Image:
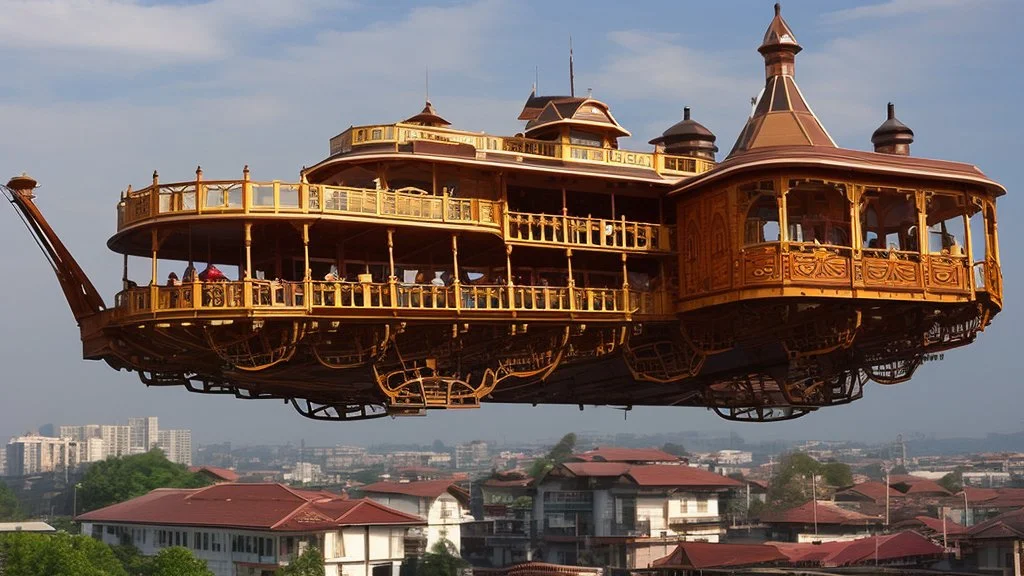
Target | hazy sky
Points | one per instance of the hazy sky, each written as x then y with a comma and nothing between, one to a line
96,94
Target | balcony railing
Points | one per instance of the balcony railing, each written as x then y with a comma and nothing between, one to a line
323,296
399,134
246,196
639,528
598,233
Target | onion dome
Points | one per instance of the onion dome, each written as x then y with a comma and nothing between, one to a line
688,138
428,117
781,116
893,136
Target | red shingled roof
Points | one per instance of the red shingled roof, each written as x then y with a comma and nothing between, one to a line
826,513
222,474
628,455
936,525
612,469
670,475
995,497
872,490
1008,525
249,506
422,489
917,486
884,548
703,555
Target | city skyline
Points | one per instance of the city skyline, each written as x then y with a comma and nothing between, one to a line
149,102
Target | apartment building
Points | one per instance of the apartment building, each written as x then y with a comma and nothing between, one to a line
440,503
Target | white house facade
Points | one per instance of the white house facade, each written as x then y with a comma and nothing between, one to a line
440,503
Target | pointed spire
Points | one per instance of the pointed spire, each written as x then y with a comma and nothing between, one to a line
781,116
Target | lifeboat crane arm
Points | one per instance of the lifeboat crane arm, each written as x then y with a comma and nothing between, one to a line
83,298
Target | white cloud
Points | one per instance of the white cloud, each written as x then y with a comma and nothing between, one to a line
894,8
168,32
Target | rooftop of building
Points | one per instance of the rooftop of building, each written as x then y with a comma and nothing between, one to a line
627,455
274,507
648,475
872,490
218,474
422,489
822,513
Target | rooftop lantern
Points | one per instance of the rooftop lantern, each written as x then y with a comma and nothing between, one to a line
893,136
687,138
428,117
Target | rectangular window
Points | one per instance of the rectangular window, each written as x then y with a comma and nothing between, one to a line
702,504
248,545
196,541
177,538
206,540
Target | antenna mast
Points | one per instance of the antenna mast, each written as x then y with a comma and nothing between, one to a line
572,78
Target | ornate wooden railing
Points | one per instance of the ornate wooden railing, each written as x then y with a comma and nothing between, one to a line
621,234
842,271
399,134
321,296
246,196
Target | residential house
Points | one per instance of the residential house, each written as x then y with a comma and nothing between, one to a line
819,521
625,515
440,503
504,532
253,529
628,456
870,498
996,546
975,505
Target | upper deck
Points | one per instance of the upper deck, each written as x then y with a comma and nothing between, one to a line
527,153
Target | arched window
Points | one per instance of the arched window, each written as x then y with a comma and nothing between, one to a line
762,220
719,236
888,221
818,213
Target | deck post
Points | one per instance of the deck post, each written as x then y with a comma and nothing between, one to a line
455,271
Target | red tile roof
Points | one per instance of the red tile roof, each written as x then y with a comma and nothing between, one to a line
872,490
995,497
249,506
670,475
917,486
628,455
1007,525
884,548
222,474
652,474
937,525
826,513
422,489
596,469
703,555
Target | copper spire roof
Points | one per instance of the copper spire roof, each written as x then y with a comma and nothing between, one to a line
584,112
782,116
428,117
892,132
688,136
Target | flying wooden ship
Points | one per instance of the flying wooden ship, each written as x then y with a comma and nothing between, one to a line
423,267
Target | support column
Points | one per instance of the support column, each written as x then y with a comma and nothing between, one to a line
307,279
969,248
571,282
247,279
124,272
625,285
392,278
508,272
455,270
154,292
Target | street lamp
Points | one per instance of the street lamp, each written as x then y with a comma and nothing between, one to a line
74,501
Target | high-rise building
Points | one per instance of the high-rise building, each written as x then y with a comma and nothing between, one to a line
176,445
116,440
145,433
80,433
34,454
470,455
3,462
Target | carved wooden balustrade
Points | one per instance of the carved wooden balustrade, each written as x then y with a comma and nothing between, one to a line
595,233
397,135
282,198
269,298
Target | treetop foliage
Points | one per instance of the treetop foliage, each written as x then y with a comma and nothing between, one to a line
309,563
559,453
10,510
118,479
791,484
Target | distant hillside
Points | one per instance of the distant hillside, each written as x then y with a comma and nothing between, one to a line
944,446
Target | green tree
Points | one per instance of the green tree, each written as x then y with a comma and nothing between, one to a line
874,471
559,453
790,486
837,474
440,561
177,561
954,481
118,479
309,563
675,449
132,560
9,507
58,554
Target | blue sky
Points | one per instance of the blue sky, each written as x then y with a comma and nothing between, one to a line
97,94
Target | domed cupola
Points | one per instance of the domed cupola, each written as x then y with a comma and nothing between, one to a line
687,138
893,136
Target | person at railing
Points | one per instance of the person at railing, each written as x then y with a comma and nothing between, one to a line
190,273
333,280
172,280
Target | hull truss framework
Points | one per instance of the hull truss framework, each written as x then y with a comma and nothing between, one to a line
750,361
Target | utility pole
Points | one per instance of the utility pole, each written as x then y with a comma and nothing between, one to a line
886,498
814,500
